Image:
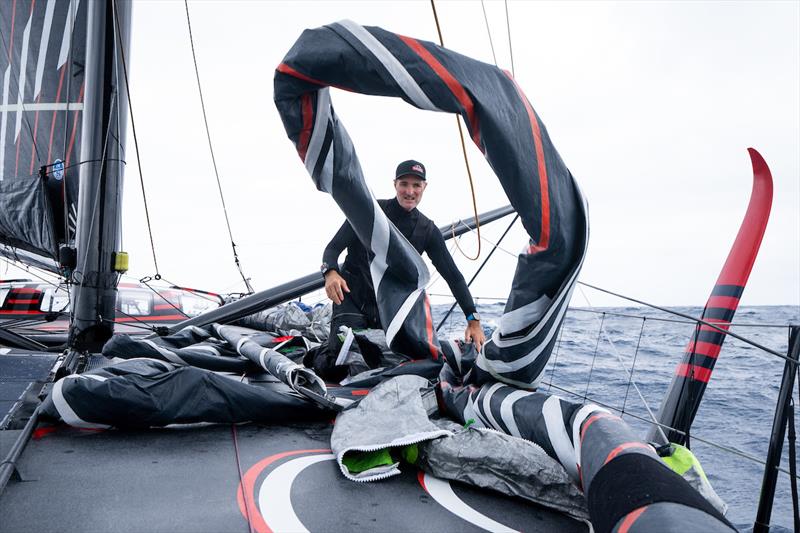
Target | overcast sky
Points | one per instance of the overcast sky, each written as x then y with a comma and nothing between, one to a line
652,105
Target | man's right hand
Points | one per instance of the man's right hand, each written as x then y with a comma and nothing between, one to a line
335,286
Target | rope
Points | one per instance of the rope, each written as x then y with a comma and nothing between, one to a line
135,141
489,33
466,159
211,149
510,48
622,365
555,360
488,256
144,281
693,319
633,365
594,357
662,427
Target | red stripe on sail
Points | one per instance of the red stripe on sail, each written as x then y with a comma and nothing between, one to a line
53,121
283,68
630,518
452,83
429,330
305,133
22,89
544,237
626,446
35,129
591,420
74,127
695,372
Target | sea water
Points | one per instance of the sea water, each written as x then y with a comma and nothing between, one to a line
597,345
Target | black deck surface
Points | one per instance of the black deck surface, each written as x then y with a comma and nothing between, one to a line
20,372
187,479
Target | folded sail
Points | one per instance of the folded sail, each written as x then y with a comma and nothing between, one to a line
501,123
41,102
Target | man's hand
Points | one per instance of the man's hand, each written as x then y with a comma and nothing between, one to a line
475,334
335,286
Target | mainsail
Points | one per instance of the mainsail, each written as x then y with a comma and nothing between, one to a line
501,123
41,102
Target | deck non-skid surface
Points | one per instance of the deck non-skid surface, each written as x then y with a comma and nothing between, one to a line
187,479
19,371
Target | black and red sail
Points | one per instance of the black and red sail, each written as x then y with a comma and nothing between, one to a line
502,124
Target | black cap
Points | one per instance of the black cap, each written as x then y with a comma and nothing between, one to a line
410,168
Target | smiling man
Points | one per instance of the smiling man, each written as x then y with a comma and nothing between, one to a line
351,289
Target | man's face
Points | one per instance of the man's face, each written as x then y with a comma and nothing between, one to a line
409,191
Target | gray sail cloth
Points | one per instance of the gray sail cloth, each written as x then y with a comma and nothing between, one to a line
290,319
396,413
141,393
43,68
621,475
487,458
505,128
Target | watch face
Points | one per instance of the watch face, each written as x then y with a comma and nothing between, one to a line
476,316
324,268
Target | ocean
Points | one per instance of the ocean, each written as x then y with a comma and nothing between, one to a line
738,406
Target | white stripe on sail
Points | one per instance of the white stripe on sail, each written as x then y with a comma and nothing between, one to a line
45,106
402,313
23,74
72,13
557,433
3,122
523,316
44,43
582,414
487,406
323,112
393,66
507,410
65,409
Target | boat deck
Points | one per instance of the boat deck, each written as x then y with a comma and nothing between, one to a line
189,478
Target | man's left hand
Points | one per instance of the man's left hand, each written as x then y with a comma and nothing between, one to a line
474,333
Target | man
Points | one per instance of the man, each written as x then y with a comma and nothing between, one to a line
351,289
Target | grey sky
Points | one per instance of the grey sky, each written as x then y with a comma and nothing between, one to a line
652,106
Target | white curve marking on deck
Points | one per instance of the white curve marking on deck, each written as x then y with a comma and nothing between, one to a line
442,492
274,496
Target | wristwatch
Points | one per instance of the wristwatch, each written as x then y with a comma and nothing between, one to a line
324,267
474,316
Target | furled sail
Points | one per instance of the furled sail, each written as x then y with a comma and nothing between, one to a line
501,123
41,101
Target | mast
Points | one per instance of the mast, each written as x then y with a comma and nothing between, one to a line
102,157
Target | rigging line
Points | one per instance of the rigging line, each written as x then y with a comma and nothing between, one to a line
72,14
144,281
480,237
475,275
135,139
555,361
24,118
633,365
466,159
489,33
693,319
622,365
27,268
662,427
594,357
510,48
211,149
673,320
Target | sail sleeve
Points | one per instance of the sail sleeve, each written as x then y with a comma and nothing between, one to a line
505,128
